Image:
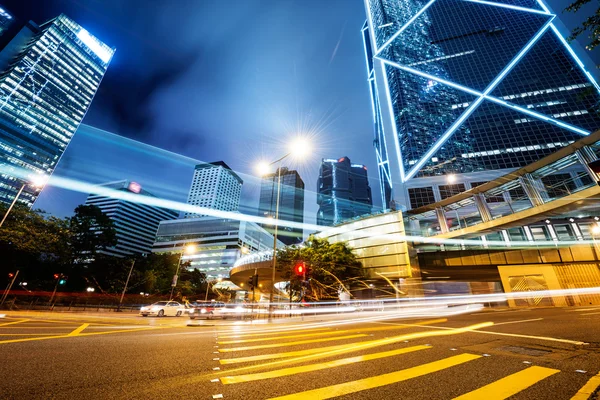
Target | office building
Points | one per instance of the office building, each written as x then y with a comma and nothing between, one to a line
7,20
136,224
49,75
215,186
291,202
218,242
466,91
343,191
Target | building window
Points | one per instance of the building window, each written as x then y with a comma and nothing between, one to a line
420,197
451,190
489,198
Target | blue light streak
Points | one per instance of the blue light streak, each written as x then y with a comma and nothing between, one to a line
491,3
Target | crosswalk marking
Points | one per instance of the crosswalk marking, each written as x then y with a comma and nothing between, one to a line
380,380
288,354
273,345
510,385
316,367
345,331
586,391
242,335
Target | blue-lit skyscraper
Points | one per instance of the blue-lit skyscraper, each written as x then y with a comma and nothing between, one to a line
471,88
49,75
343,191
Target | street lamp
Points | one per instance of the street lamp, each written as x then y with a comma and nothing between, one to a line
299,148
188,249
37,181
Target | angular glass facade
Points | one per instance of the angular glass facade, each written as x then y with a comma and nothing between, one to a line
343,191
45,91
470,86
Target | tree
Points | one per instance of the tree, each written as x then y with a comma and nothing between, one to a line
591,24
91,231
333,266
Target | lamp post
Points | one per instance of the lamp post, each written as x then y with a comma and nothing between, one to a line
37,181
299,148
188,249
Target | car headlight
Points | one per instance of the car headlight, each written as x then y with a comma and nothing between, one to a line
203,311
155,308
143,308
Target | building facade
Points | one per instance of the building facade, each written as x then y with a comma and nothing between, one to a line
49,76
218,242
343,191
215,186
291,202
135,224
466,91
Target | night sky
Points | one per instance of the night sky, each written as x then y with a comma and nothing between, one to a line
221,80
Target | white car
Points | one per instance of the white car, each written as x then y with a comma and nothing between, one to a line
162,309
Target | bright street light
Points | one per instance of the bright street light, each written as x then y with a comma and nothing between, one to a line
37,181
451,178
189,249
299,149
595,229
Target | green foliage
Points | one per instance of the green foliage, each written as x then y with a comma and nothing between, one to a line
91,230
331,265
591,24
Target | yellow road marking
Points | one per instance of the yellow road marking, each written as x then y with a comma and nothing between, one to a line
345,331
586,391
551,339
353,347
273,345
27,334
14,322
380,380
77,331
284,355
67,336
316,367
510,385
229,335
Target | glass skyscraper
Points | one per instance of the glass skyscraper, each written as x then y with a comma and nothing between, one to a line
470,88
291,203
49,75
343,191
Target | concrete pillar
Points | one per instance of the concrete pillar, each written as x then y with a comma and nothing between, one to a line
534,195
441,216
586,155
482,207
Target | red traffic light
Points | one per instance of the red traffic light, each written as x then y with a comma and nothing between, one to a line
300,269
56,276
11,275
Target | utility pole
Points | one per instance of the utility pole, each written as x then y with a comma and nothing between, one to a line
125,288
9,287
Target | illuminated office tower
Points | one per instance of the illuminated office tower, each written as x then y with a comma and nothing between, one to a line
48,77
215,186
291,203
343,191
469,89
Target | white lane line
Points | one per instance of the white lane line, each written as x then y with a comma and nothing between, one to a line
594,313
517,322
551,339
499,312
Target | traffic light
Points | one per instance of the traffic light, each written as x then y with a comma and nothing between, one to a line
300,270
11,275
63,280
56,276
253,281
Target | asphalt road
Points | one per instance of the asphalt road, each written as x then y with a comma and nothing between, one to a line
527,354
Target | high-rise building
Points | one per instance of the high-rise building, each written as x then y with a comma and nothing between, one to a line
219,242
6,21
136,224
291,202
215,186
469,89
48,77
343,191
